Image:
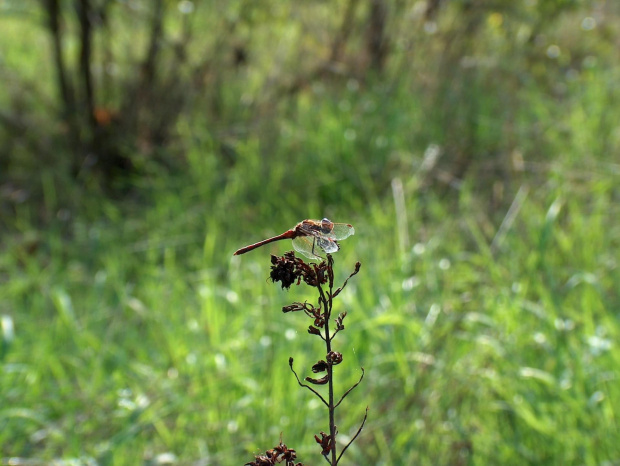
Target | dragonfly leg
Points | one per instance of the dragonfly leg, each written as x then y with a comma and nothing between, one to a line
316,244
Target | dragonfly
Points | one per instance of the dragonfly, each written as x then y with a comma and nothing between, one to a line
310,237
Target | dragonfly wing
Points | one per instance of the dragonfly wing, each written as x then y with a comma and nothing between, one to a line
341,231
327,245
315,237
307,245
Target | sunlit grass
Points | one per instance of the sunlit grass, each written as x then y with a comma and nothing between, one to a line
143,336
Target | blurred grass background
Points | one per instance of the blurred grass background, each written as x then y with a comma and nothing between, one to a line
474,146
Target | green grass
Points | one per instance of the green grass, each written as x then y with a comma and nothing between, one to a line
139,334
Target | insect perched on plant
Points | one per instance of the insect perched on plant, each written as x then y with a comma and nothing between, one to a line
310,237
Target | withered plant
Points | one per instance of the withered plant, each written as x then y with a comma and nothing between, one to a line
288,270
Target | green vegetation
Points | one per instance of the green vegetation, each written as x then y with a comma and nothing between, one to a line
479,165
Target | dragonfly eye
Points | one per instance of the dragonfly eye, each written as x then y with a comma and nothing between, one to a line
326,225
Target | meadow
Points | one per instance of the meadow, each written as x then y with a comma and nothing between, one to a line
485,314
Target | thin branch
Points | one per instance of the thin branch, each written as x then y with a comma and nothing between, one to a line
357,269
376,42
155,41
354,437
350,389
346,26
84,13
65,87
290,363
55,28
327,312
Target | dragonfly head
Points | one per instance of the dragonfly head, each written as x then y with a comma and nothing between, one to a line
327,225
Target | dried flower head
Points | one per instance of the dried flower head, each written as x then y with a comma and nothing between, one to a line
288,269
280,454
334,358
326,443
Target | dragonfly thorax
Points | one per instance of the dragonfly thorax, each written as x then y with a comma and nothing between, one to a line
326,225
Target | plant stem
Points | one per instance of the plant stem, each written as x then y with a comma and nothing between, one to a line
327,306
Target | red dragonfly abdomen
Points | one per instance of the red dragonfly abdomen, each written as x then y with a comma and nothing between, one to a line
286,235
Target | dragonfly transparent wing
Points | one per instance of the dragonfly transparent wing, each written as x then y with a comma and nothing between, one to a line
306,246
312,246
341,231
327,245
